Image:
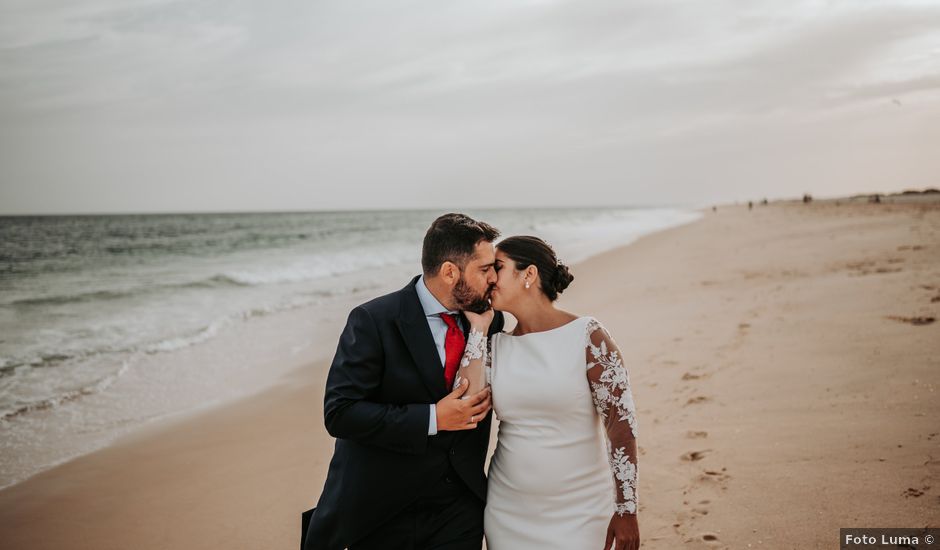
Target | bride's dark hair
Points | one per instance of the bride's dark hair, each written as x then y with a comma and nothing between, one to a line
526,250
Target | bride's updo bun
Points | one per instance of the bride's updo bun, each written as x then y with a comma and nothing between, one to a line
526,250
563,278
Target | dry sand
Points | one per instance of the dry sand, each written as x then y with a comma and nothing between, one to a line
785,388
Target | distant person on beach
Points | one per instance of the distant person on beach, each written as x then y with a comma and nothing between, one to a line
407,469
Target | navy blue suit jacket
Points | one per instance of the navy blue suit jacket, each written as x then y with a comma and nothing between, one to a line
385,373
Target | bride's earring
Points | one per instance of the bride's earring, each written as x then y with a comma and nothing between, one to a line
527,284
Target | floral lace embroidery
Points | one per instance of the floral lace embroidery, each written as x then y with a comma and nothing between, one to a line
613,399
625,473
613,387
475,349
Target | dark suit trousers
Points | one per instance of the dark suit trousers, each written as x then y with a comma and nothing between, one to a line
447,516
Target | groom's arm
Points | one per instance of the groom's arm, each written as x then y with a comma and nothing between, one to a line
355,375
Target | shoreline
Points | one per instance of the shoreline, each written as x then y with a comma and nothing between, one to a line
295,326
316,359
711,300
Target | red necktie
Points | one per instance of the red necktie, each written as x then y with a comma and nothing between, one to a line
454,342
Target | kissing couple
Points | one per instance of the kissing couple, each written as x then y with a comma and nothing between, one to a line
408,397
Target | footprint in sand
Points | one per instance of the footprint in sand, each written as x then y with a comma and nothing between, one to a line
867,267
692,456
690,376
861,265
697,399
715,476
912,492
696,434
710,538
708,479
916,321
701,508
709,482
703,487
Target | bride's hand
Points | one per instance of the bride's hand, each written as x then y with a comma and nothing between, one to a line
480,321
625,531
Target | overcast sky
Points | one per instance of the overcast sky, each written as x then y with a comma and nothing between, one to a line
221,105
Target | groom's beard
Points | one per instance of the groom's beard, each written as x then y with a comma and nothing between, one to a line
468,300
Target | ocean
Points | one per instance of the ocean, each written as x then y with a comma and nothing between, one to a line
109,322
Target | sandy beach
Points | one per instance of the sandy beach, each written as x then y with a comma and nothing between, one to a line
785,363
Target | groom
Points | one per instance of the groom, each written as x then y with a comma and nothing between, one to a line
407,469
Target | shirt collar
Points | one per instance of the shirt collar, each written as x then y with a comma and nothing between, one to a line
430,304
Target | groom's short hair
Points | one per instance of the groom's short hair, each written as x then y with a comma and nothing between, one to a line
453,237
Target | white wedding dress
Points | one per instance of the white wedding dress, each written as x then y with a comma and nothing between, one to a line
567,430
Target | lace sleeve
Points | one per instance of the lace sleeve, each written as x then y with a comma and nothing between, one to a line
474,363
613,399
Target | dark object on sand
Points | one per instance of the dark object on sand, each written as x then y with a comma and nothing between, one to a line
807,198
913,320
304,523
876,198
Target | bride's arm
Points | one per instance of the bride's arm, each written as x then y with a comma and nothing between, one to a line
473,363
613,399
476,354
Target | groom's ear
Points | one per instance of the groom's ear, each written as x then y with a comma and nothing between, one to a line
449,273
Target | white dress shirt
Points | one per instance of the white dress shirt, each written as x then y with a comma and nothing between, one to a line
432,310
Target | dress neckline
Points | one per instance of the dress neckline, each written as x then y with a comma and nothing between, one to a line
545,331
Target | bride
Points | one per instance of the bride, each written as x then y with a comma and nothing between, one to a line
564,474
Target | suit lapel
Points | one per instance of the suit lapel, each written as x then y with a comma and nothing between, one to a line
464,325
417,335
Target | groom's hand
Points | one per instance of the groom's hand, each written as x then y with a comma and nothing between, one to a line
454,413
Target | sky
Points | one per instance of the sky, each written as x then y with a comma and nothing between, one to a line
238,105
